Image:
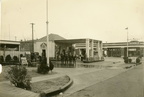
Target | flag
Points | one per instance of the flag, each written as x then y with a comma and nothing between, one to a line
126,28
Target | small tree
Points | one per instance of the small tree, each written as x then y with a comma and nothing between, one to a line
19,77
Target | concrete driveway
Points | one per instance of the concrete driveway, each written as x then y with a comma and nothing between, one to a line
127,84
85,77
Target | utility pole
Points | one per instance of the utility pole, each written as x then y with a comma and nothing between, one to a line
47,53
32,37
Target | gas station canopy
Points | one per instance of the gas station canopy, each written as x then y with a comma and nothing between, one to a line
72,41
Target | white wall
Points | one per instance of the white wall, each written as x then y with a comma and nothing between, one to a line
38,48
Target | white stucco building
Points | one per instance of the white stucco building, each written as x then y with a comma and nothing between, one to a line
40,45
90,48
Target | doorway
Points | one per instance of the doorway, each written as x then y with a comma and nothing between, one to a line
43,52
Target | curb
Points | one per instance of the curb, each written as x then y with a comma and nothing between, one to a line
92,61
32,94
66,86
61,89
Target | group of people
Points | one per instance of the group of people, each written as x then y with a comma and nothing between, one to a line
68,58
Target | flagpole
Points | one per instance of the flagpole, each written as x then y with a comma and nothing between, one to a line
127,41
47,53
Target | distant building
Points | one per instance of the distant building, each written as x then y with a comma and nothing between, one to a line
88,48
57,44
8,47
119,49
26,46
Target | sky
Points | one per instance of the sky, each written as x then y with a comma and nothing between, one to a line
104,20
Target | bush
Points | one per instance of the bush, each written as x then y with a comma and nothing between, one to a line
8,58
15,58
51,66
138,61
129,60
42,67
126,59
19,77
1,59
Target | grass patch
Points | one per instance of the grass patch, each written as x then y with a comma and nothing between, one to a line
49,85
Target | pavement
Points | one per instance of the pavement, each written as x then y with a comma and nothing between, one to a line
82,76
126,84
83,80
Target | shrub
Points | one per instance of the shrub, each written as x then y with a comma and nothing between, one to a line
129,60
42,67
1,59
125,59
19,77
15,58
51,66
8,58
138,61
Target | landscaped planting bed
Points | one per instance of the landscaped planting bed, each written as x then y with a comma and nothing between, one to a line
41,86
50,85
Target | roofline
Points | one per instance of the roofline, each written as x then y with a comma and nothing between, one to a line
79,39
9,42
122,42
83,38
121,46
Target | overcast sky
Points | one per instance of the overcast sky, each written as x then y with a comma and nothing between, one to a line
104,20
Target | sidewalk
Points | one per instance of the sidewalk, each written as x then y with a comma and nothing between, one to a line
85,77
127,84
81,81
